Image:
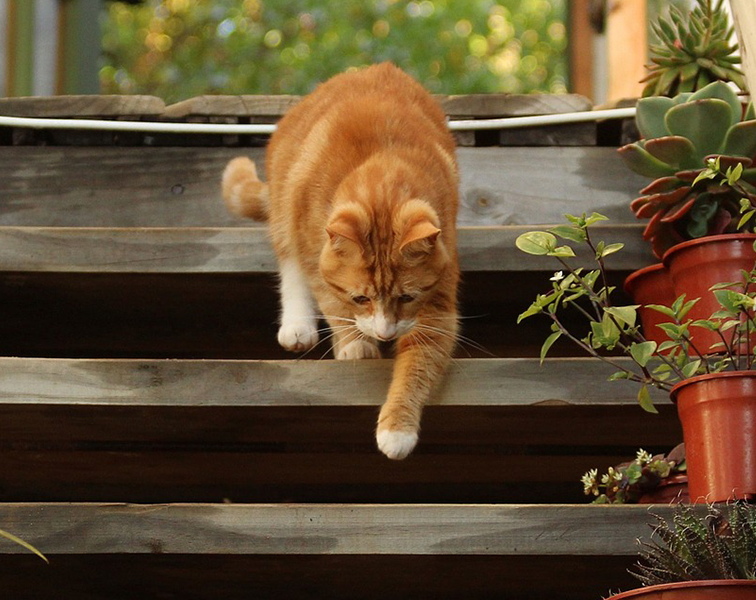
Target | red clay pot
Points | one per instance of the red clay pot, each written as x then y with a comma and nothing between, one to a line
672,489
718,415
651,285
696,265
721,589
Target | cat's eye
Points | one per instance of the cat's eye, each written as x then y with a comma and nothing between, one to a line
405,298
360,299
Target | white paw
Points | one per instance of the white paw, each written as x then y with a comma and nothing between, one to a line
396,444
357,349
298,337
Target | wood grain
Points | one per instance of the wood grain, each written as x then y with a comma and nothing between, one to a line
543,530
470,105
247,250
470,382
179,187
82,106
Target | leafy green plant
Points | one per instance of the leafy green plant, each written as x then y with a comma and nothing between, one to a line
682,138
20,542
693,50
719,543
627,482
615,329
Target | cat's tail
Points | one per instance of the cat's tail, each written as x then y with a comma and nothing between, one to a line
244,193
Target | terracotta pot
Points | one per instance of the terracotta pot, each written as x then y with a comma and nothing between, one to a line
651,285
672,489
721,589
718,415
696,265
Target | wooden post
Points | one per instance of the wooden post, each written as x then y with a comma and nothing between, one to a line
627,46
581,48
744,15
20,48
79,47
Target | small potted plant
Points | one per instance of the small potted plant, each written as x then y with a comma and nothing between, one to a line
645,480
707,555
715,393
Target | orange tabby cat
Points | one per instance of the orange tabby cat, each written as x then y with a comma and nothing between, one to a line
362,204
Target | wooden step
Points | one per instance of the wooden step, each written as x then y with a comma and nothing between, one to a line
139,430
272,543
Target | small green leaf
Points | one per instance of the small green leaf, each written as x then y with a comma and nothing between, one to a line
686,308
538,243
611,249
562,252
548,343
642,352
664,346
533,309
23,543
624,314
662,309
574,234
618,375
745,218
710,325
690,369
595,218
644,399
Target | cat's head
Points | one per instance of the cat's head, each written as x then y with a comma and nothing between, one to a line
383,266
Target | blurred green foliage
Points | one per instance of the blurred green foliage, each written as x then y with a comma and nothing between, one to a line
176,49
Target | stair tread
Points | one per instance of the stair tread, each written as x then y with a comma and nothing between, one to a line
405,529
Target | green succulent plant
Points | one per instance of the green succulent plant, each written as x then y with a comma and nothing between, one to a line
719,543
683,137
694,50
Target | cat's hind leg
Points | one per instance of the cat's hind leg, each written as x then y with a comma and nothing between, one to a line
299,323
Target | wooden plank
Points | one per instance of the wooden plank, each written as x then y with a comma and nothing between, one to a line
171,187
247,250
463,106
470,382
571,134
309,577
82,106
415,529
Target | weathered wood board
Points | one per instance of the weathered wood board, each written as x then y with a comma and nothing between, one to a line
180,187
247,250
82,106
470,105
411,529
312,577
470,382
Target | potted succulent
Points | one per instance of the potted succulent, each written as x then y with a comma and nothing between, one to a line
645,480
715,393
707,555
700,148
693,50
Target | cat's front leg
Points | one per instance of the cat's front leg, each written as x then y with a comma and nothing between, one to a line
422,356
299,323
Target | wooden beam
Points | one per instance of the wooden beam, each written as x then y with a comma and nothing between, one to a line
470,382
744,15
581,48
416,529
247,250
627,46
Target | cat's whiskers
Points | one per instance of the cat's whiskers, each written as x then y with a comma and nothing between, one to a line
455,336
333,330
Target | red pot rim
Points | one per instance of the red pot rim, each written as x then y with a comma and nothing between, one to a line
706,377
703,583
709,239
630,279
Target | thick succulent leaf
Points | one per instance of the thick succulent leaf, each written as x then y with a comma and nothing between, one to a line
726,160
638,203
749,175
653,225
741,140
703,210
721,91
703,122
650,116
673,150
671,198
679,212
750,113
640,161
681,98
663,184
646,210
689,175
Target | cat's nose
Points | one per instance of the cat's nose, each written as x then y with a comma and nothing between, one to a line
384,330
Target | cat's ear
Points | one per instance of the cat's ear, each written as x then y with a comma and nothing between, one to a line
344,230
420,237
